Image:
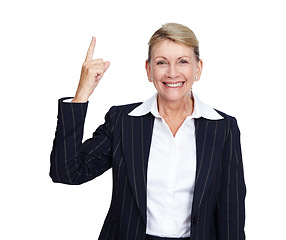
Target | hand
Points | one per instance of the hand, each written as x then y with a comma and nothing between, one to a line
92,71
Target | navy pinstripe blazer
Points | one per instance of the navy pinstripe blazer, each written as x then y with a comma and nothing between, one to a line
123,143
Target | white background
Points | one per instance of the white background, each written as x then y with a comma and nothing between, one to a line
43,45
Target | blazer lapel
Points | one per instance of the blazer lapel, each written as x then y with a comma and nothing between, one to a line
137,135
206,135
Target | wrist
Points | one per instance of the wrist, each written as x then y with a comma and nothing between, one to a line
79,98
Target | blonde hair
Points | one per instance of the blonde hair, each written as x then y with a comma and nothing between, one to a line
177,33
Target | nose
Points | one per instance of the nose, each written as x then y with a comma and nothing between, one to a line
172,71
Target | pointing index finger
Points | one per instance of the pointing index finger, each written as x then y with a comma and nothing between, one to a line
90,51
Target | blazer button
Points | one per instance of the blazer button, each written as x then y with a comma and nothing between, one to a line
195,221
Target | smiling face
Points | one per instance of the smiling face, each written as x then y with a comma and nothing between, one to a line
173,68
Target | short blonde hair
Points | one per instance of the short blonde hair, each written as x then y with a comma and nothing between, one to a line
177,33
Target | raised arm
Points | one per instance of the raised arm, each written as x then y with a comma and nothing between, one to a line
74,162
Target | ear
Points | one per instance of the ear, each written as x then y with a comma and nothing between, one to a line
199,69
148,69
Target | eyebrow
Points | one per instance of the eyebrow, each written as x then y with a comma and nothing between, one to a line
178,57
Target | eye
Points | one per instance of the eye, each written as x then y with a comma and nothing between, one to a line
161,62
184,61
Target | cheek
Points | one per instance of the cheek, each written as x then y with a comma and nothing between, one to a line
158,73
189,73
190,76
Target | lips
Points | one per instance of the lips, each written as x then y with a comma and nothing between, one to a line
173,85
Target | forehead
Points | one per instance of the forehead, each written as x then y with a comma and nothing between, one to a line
170,49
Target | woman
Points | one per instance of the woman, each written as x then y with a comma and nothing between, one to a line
177,167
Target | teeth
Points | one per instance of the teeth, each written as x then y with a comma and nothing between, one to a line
174,84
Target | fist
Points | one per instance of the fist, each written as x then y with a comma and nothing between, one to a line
92,71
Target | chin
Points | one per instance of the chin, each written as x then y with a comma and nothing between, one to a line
173,97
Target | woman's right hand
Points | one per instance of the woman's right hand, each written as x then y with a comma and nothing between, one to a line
92,71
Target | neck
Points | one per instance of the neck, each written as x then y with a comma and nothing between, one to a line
177,108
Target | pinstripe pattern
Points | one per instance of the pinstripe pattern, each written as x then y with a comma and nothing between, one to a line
123,144
218,207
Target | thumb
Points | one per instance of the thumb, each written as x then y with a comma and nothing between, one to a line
106,65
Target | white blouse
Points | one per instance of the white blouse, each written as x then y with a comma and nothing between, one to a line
171,171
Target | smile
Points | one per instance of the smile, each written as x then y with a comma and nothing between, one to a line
174,85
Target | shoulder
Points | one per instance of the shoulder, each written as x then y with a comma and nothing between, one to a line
225,116
229,123
123,109
117,117
116,114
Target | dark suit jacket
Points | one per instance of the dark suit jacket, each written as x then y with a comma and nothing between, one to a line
123,143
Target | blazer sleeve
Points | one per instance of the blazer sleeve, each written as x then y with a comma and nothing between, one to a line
74,162
231,205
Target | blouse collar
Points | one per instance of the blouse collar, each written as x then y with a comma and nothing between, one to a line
200,109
